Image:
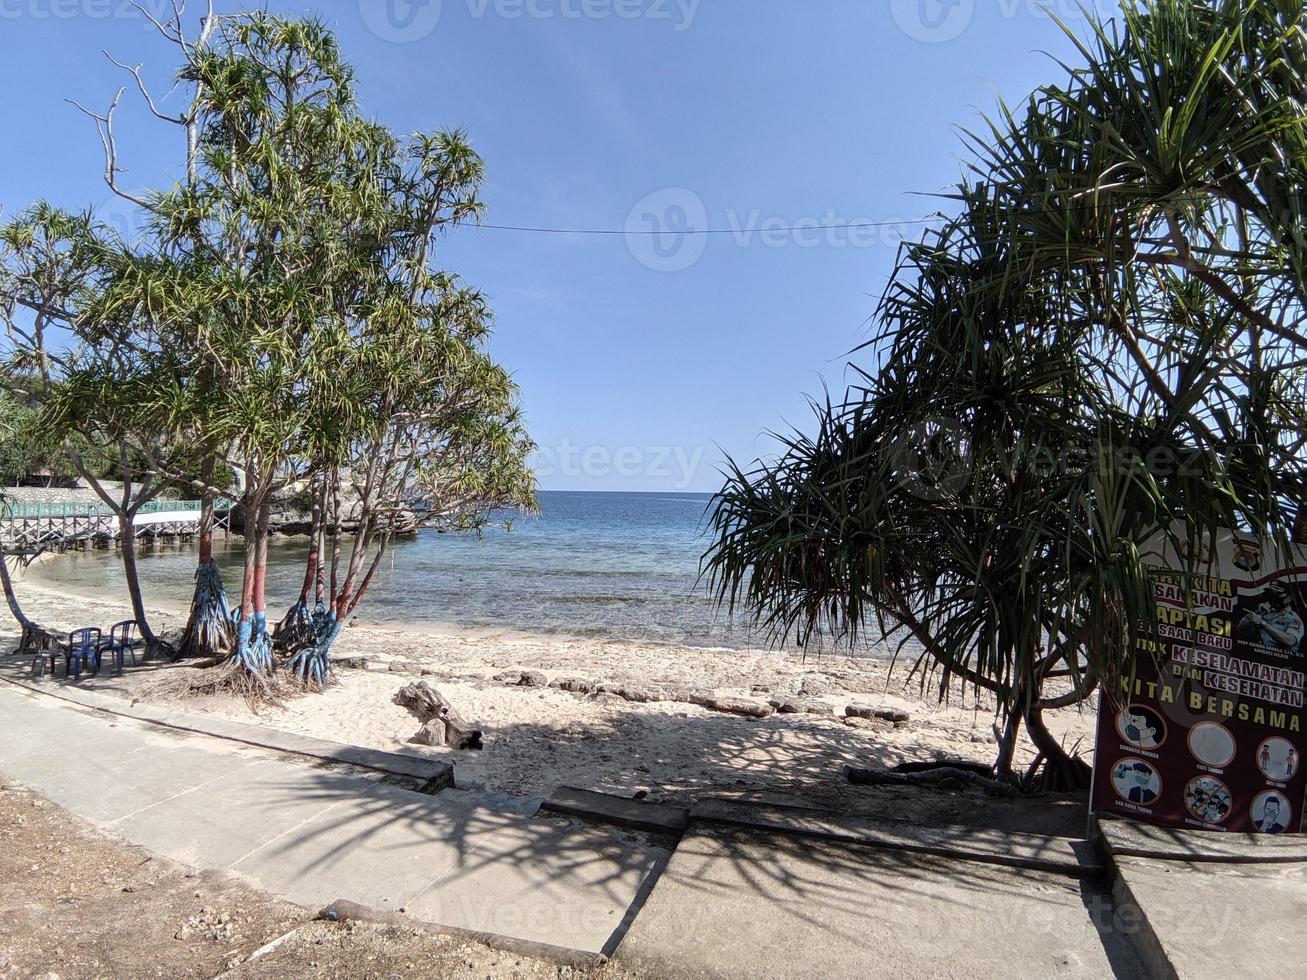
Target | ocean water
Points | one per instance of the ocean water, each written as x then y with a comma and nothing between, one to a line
620,565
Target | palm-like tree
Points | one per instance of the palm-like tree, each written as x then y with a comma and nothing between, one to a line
1105,339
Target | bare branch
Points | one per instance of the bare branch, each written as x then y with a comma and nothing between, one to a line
104,127
145,92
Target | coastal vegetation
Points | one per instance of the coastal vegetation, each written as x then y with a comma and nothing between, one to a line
1105,335
277,330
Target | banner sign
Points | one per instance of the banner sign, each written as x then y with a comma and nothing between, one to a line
1208,734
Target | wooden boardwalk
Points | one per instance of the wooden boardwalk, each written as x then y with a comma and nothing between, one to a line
31,527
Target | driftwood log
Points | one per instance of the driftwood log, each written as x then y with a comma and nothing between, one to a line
441,724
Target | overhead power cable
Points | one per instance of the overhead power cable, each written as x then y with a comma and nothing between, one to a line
706,231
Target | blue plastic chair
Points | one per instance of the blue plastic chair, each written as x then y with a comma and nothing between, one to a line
122,641
83,648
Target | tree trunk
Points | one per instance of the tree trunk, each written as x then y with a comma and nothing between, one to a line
253,645
1062,771
208,628
1300,528
1007,746
296,629
127,539
32,636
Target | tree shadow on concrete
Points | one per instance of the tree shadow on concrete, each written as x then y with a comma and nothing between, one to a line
783,759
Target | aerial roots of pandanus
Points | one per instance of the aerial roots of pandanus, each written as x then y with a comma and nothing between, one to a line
311,666
209,629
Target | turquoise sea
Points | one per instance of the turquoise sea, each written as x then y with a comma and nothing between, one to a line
620,565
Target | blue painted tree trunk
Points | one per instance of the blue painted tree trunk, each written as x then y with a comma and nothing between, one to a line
312,665
209,629
253,644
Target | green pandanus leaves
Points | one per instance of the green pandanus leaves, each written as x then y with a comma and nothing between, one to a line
1104,337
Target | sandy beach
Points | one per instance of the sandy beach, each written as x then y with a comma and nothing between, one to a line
539,737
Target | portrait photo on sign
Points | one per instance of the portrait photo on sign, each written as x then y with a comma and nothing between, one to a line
1212,744
1272,619
1272,813
1277,759
1208,799
1141,726
1136,781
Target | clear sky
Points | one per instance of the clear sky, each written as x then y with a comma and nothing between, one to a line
642,358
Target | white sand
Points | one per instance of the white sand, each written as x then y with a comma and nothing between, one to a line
538,739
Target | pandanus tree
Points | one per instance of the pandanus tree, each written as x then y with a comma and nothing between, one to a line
450,453
428,433
279,318
253,243
324,354
94,283
79,369
1103,340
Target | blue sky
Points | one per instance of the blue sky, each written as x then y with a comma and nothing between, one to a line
642,358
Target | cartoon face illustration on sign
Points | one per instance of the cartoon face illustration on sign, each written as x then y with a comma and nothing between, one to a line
1136,781
1208,799
1141,727
1271,813
1277,759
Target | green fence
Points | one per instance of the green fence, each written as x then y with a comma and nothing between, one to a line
67,511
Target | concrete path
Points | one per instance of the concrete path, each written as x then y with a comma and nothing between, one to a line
749,903
1212,905
313,834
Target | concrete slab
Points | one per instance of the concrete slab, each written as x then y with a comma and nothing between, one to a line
313,834
215,824
736,903
430,772
1124,838
541,879
656,818
369,850
1215,920
1054,854
96,769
